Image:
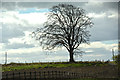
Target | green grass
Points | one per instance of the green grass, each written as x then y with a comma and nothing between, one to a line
23,66
0,69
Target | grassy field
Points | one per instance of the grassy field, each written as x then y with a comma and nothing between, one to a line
99,69
25,66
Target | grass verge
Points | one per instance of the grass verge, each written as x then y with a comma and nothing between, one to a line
25,66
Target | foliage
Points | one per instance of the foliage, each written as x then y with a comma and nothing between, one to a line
117,58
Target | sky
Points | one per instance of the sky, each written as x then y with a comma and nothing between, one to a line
19,19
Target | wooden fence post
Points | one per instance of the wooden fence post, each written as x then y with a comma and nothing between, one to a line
44,74
64,74
59,75
76,75
35,75
13,75
39,74
72,75
6,76
25,75
48,75
52,74
55,74
19,75
30,75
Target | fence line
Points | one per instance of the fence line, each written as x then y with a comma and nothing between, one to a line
49,74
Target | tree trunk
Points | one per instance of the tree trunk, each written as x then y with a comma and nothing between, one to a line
71,57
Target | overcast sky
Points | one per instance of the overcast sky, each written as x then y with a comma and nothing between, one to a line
19,19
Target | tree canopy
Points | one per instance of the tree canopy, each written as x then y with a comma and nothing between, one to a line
66,26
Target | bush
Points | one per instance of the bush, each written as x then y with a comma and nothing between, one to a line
117,59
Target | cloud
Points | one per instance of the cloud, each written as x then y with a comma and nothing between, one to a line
105,18
104,26
8,5
94,51
10,17
16,40
33,10
89,51
14,17
99,7
2,45
112,14
20,46
34,18
91,55
95,45
107,14
93,3
14,24
57,58
24,50
101,18
26,39
94,15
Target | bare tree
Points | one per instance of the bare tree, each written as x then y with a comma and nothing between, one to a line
66,26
